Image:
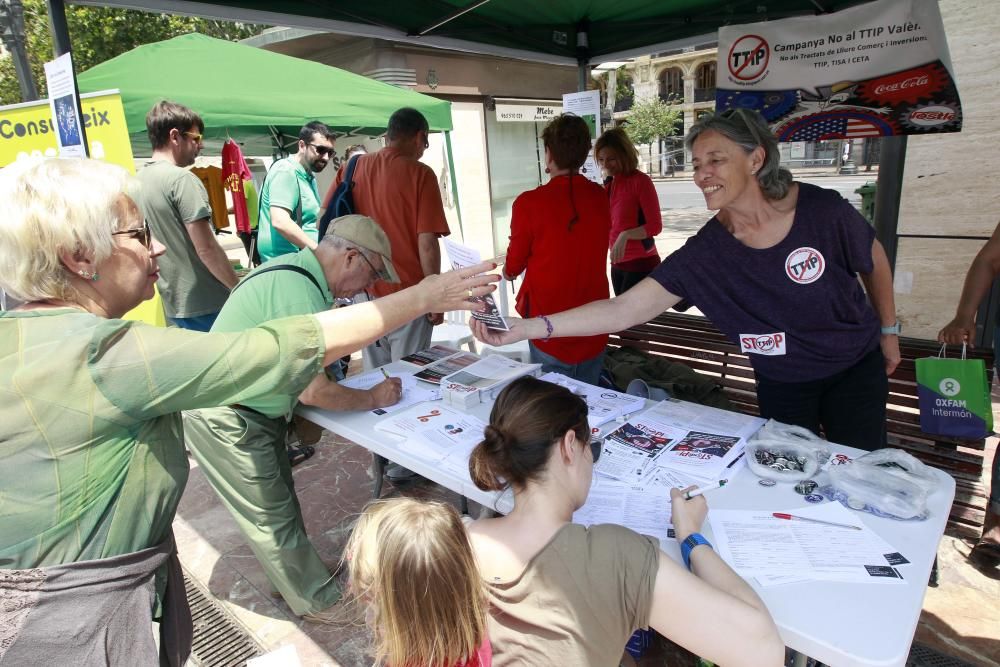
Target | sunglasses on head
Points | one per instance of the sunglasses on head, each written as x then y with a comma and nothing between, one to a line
141,233
322,151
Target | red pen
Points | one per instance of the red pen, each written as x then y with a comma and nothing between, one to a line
792,517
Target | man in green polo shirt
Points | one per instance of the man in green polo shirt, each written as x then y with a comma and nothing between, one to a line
289,201
241,448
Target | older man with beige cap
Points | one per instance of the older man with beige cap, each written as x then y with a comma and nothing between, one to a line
241,448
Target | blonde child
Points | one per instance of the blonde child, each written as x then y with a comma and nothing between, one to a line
412,567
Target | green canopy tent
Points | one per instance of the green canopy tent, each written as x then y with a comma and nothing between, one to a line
252,95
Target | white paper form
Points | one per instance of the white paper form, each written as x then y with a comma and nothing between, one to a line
463,433
461,256
665,479
413,392
644,510
489,372
603,405
694,417
757,544
450,439
417,418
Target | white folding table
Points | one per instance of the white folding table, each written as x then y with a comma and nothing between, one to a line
839,624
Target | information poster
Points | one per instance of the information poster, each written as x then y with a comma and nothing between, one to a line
878,69
27,130
64,107
587,105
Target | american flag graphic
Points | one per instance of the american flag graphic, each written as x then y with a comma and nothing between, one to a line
836,125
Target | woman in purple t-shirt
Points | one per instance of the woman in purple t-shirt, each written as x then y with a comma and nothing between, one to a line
777,271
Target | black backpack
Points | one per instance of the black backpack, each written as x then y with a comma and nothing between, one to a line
342,201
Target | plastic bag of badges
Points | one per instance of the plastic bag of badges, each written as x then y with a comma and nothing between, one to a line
786,453
887,482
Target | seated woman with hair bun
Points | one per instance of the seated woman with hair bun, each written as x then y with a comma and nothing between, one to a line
563,594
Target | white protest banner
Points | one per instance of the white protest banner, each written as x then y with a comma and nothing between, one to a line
878,69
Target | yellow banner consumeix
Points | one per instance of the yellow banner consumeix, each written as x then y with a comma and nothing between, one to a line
26,129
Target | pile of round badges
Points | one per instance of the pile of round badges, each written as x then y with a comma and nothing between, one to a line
780,462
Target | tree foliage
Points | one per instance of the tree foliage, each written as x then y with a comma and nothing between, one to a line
100,33
623,88
651,119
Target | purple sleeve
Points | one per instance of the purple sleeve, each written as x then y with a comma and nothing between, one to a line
856,236
672,271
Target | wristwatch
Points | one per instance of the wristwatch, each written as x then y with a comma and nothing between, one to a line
689,543
893,330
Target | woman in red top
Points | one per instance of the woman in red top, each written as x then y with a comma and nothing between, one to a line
559,240
635,210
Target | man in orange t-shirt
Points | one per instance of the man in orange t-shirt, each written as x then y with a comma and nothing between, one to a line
401,194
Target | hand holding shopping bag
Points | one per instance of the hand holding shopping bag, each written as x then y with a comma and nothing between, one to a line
954,396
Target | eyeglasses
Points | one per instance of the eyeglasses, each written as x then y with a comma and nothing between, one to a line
322,151
142,233
197,136
375,272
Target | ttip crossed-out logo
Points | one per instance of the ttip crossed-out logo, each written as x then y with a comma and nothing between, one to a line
748,57
805,265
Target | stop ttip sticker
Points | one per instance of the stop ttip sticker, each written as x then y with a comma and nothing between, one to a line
804,265
770,345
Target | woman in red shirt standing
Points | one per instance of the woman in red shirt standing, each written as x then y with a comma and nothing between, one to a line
635,210
559,240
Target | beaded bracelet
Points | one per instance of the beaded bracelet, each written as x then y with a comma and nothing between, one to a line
548,327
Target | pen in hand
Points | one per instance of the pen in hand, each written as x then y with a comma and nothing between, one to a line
384,373
688,495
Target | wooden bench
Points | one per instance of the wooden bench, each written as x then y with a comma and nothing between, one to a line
695,341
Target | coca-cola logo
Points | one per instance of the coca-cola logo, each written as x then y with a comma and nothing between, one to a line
909,86
912,82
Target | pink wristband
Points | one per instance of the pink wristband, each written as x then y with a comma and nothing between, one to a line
548,327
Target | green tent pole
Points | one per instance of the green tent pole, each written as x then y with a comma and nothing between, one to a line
454,182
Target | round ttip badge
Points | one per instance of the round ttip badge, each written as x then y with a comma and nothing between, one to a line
814,498
804,265
766,482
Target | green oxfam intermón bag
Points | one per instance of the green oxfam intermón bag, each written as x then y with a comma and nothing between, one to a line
954,396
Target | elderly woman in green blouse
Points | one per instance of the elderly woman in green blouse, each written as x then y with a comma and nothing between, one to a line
92,463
